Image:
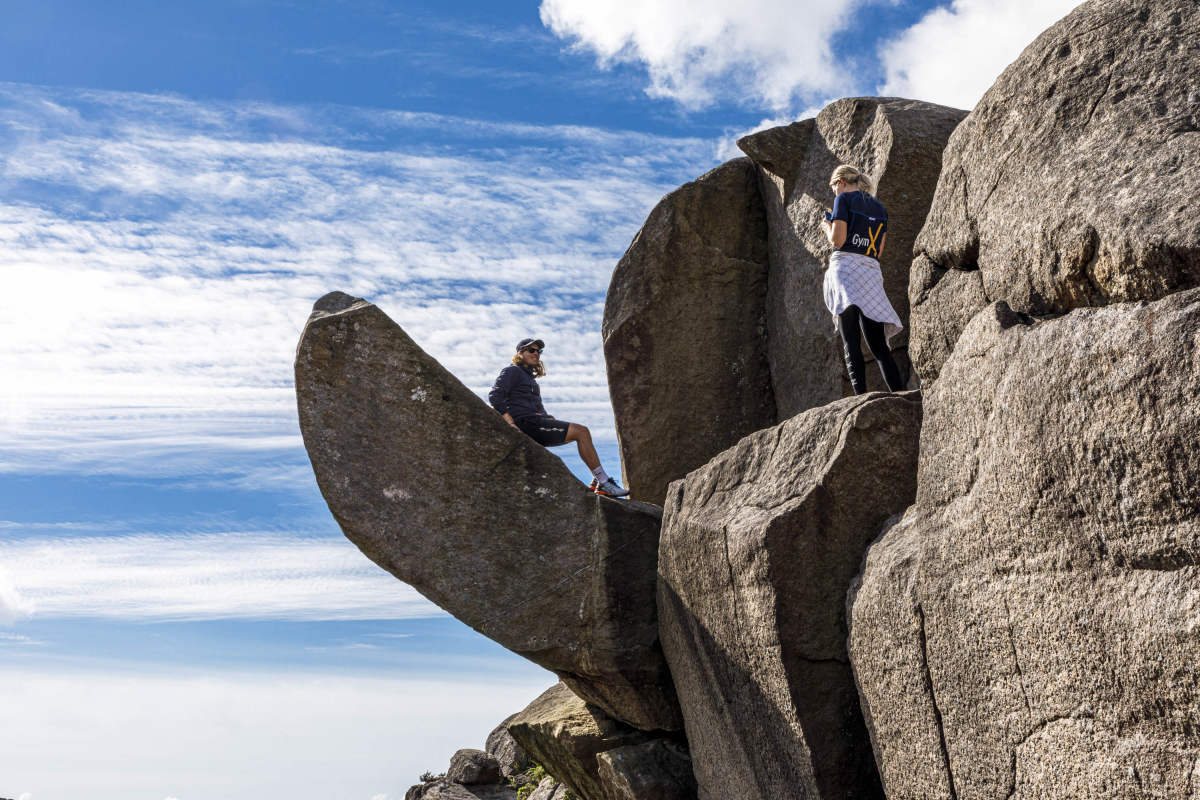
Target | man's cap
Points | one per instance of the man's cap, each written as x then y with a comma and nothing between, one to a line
521,345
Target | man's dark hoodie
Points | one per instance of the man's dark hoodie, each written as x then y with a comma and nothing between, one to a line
517,393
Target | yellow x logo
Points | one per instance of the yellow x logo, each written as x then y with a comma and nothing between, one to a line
872,249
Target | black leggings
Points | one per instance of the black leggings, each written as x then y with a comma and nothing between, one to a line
852,320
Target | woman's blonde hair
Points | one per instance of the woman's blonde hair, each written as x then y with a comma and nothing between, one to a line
853,176
539,369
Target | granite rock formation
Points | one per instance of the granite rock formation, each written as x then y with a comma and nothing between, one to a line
898,143
1073,181
444,789
458,520
1031,628
684,330
656,770
758,548
469,766
568,737
507,751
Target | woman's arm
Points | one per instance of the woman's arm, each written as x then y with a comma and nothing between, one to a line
882,242
836,232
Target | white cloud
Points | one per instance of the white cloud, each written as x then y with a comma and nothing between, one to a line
13,606
700,51
206,576
242,736
161,256
956,52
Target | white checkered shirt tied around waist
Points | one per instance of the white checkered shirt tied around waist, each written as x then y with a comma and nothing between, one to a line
856,280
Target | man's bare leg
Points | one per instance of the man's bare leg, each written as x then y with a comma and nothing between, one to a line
583,440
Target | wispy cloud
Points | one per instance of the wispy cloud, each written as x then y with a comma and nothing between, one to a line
956,52
161,256
201,576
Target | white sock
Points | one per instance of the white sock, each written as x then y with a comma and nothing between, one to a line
600,475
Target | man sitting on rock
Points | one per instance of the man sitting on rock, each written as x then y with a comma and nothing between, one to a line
518,398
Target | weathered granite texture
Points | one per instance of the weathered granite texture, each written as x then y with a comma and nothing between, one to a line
1030,629
508,753
443,789
471,766
433,486
569,738
684,330
655,770
1073,182
898,143
758,548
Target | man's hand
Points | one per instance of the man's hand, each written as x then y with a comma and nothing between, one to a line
508,418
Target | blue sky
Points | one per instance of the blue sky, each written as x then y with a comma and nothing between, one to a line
179,615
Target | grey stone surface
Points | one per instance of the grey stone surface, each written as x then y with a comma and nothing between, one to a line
757,551
1073,181
655,770
549,789
444,789
564,734
432,485
684,330
898,143
506,750
473,766
1031,628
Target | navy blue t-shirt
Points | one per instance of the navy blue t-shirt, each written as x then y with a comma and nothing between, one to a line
866,222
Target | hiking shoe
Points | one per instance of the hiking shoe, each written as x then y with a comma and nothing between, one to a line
610,489
592,488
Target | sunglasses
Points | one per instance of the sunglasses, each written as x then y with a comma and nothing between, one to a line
532,350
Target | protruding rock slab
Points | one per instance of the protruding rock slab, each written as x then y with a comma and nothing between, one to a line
684,330
1073,182
433,486
757,551
1031,628
897,142
566,736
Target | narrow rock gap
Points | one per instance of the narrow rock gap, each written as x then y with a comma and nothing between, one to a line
937,711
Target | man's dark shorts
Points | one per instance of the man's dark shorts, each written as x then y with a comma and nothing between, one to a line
546,431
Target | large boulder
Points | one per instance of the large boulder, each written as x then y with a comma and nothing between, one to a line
757,551
433,486
566,735
1073,181
897,142
684,330
1031,628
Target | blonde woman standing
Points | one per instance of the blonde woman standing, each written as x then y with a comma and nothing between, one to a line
857,229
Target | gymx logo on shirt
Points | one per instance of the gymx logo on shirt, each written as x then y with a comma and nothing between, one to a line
871,240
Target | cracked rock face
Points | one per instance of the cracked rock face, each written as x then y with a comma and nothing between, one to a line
1031,628
898,143
757,550
684,330
432,485
1073,181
